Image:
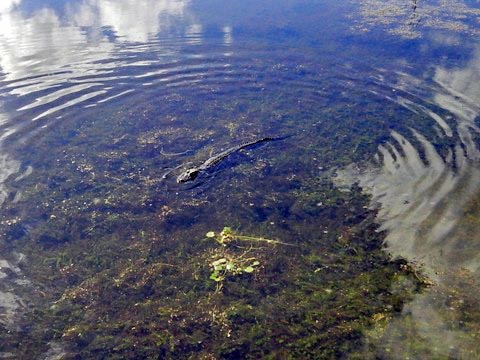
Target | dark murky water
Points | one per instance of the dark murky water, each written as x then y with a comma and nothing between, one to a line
354,235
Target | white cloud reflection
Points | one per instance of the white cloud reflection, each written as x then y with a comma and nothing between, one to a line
43,43
429,207
64,63
60,57
227,35
131,20
7,5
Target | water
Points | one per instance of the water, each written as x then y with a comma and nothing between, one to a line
370,196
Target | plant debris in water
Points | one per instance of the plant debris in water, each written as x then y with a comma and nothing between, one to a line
410,18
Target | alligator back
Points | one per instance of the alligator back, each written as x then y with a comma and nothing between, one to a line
219,157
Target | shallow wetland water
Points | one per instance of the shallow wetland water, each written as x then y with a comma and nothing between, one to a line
353,234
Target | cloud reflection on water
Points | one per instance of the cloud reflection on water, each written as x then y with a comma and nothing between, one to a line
131,20
46,58
44,43
429,207
7,5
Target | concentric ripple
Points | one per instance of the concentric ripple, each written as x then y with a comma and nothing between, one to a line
428,201
58,67
423,179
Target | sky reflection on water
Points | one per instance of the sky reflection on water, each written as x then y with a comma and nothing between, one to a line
428,205
90,54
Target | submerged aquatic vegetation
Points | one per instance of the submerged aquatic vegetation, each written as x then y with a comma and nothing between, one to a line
153,287
227,235
112,261
224,267
115,251
154,292
228,262
409,19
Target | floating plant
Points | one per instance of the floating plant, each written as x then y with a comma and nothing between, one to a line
224,267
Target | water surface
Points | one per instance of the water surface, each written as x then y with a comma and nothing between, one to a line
370,196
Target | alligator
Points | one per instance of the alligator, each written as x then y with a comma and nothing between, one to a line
192,173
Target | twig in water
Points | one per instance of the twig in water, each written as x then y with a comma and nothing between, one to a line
173,154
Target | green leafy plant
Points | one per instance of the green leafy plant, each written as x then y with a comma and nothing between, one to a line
223,267
227,261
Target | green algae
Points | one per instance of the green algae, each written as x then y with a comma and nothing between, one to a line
120,265
146,305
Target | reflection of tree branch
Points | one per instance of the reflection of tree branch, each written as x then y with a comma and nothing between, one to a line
415,17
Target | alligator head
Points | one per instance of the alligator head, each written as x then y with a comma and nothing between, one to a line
188,175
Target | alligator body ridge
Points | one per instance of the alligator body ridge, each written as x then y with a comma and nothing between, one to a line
192,173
